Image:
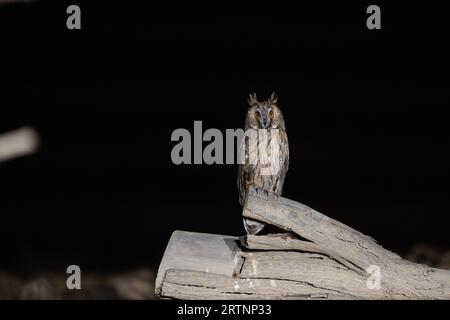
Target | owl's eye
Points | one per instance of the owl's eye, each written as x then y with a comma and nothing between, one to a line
257,115
271,114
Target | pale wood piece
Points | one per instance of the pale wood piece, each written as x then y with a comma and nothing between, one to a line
320,258
210,253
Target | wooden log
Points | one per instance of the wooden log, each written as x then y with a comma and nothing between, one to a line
400,278
208,253
319,259
287,241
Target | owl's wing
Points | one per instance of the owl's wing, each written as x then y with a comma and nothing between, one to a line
244,170
285,150
245,179
241,185
284,162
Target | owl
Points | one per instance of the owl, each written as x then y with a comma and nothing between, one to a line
265,162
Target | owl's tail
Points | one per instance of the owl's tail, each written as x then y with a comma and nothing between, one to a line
252,226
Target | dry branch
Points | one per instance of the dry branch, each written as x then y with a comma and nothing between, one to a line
320,258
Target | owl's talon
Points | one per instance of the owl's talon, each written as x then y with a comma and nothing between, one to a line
273,196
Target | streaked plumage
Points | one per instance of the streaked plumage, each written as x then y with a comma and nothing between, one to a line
271,152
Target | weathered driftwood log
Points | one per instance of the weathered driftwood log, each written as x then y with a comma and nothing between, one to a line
320,259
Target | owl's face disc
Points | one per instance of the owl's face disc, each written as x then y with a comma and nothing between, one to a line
264,115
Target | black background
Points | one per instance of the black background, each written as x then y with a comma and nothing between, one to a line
365,112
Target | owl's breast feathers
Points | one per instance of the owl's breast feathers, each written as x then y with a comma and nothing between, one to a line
266,163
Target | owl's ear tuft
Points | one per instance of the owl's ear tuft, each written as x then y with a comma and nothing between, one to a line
273,98
252,99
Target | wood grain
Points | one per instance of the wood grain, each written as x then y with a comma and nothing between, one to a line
318,258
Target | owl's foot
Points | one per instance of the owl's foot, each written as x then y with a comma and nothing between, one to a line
273,196
267,194
262,192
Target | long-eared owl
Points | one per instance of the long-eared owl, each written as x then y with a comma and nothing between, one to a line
266,160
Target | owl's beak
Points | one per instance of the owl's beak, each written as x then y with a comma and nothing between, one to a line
264,122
